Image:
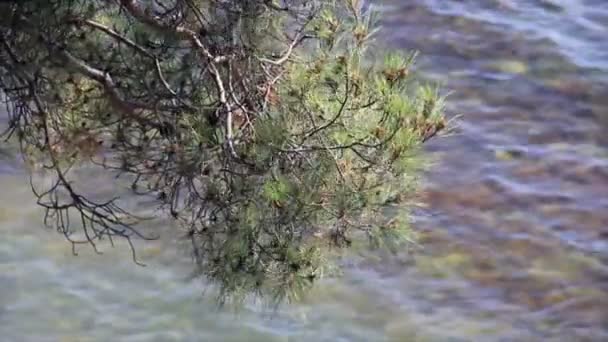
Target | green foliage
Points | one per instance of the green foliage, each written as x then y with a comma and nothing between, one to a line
262,129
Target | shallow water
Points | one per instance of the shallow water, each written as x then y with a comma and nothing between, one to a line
515,234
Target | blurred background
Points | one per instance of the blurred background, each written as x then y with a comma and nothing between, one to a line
514,237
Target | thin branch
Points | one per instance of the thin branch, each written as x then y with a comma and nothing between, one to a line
115,35
144,16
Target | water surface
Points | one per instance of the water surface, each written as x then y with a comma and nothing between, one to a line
515,232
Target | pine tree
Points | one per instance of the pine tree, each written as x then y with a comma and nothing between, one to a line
264,127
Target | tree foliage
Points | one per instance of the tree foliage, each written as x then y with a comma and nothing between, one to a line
259,125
